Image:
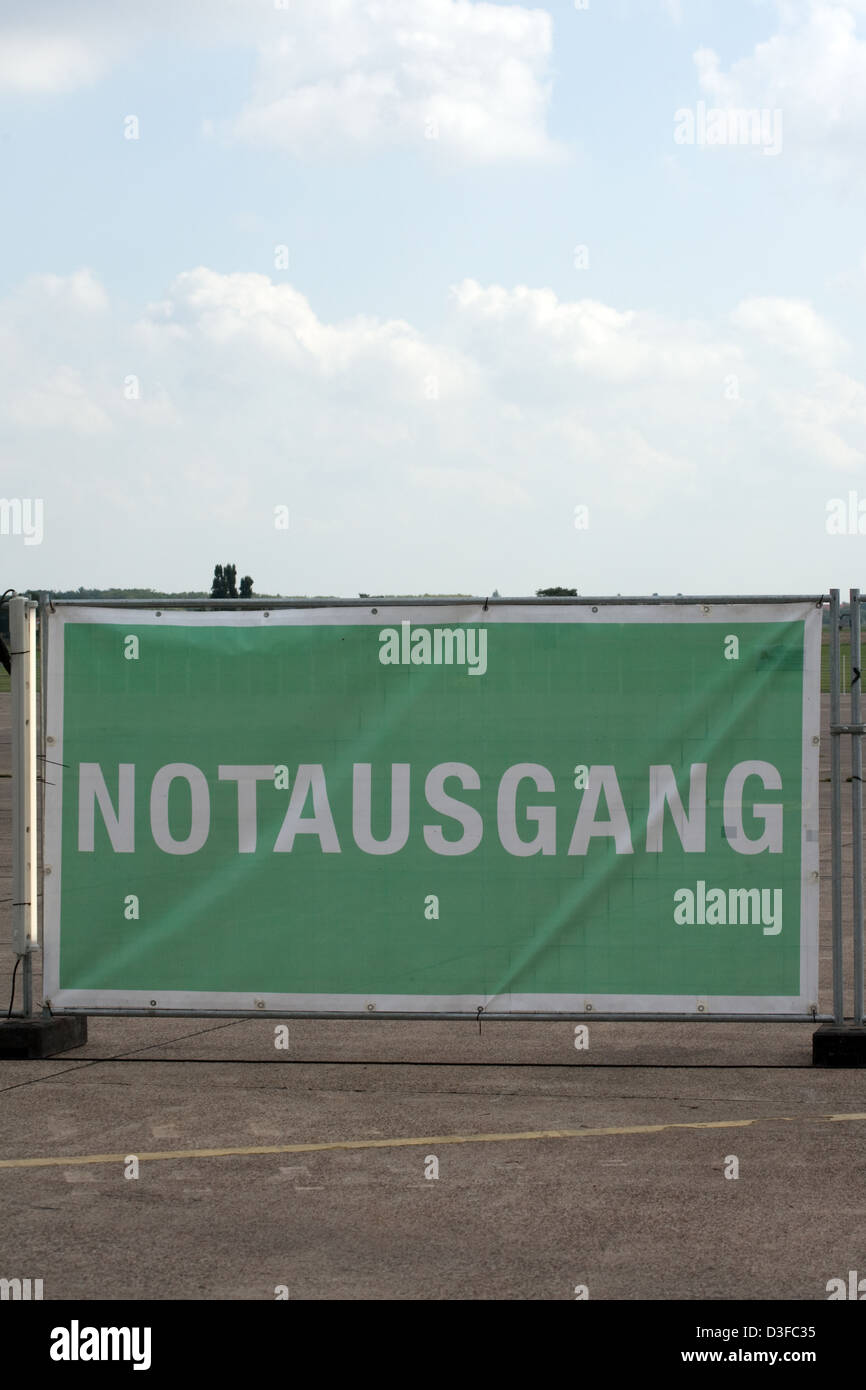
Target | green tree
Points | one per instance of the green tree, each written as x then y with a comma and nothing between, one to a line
246,589
556,593
225,582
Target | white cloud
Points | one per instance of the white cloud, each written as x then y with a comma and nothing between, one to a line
60,403
467,78
81,290
463,79
826,422
48,62
64,45
245,313
813,70
536,330
58,294
791,325
398,453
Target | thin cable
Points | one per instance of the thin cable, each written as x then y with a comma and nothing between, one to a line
12,996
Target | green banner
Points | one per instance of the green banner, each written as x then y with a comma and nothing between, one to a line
519,808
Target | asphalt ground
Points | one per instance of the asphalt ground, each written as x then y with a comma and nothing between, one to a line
307,1172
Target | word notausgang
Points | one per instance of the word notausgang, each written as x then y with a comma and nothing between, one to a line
525,822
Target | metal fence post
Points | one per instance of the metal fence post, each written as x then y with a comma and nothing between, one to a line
22,647
836,807
856,807
43,765
27,1034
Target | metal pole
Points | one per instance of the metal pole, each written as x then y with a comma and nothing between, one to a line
836,808
22,649
252,605
857,807
42,628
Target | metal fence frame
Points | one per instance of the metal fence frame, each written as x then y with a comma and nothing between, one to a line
855,728
26,755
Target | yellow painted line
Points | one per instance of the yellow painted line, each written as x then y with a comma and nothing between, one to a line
430,1140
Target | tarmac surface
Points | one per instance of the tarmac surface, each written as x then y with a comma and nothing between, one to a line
303,1172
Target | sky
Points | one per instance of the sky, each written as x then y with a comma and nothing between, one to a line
434,296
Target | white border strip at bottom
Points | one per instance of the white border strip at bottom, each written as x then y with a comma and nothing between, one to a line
468,1004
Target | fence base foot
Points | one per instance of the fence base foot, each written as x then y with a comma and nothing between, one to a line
41,1037
839,1045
